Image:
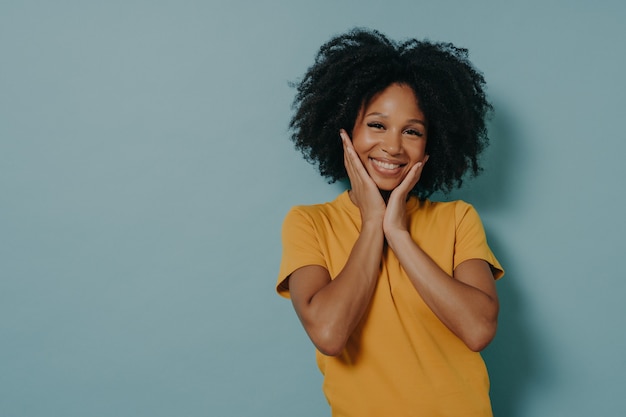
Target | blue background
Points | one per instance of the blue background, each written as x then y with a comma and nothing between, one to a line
145,170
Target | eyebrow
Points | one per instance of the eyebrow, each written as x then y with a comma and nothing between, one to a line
384,116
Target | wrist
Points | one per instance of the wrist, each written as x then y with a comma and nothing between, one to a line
372,224
397,237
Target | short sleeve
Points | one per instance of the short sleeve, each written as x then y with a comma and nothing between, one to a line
471,241
300,247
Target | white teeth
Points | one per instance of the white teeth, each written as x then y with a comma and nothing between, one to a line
386,165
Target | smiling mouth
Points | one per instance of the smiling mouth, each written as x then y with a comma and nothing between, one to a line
385,165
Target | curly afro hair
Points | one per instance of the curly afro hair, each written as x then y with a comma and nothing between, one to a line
352,68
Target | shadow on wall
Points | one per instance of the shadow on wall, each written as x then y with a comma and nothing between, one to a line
511,356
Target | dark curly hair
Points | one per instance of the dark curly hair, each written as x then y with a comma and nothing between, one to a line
352,68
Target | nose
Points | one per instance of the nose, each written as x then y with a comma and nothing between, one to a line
391,142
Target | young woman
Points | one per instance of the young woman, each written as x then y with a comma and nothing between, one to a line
396,292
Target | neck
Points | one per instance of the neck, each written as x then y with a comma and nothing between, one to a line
385,194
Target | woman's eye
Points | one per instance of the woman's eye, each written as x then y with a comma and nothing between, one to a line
376,125
414,132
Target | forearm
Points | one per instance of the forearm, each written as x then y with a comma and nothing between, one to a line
336,309
468,311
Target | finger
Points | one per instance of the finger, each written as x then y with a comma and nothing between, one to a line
354,162
344,135
414,175
411,179
396,206
347,156
347,145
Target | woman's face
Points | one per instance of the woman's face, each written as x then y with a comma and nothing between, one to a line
390,135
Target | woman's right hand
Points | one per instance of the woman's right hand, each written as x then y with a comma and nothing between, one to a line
330,308
364,192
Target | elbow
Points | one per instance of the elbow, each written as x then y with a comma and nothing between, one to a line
330,350
482,333
328,342
481,337
478,345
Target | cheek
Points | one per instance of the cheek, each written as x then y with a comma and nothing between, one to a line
359,140
418,151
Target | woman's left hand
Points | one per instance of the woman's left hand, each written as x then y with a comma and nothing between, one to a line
395,215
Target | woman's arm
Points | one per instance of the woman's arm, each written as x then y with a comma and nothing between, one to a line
467,302
330,309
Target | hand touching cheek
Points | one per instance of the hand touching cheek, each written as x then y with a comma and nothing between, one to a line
395,214
364,193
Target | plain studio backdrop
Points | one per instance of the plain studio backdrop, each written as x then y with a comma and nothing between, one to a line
145,169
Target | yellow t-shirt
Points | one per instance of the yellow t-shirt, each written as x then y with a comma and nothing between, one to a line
401,359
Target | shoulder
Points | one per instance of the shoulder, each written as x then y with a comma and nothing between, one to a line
454,208
306,213
457,214
318,212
